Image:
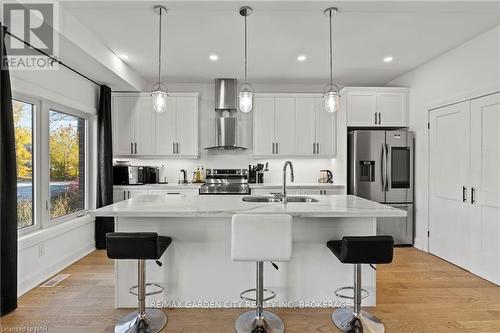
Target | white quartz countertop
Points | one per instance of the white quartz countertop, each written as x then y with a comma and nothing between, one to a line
263,185
184,205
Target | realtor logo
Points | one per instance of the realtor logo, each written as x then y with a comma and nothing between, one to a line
33,35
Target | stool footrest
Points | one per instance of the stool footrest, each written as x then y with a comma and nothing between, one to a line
364,293
271,293
134,290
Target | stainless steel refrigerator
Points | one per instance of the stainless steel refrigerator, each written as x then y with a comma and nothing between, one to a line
381,169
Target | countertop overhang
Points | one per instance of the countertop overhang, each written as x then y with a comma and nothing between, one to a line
225,206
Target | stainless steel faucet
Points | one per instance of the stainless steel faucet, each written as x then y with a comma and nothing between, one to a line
284,199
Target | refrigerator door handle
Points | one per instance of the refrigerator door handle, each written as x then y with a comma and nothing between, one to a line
386,167
382,167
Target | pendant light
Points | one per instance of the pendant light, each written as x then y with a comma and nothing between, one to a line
158,92
246,89
331,92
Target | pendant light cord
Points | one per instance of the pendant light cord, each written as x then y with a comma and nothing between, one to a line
331,49
159,51
246,62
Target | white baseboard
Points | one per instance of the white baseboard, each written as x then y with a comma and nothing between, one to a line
25,284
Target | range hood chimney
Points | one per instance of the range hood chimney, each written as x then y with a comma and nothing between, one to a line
226,123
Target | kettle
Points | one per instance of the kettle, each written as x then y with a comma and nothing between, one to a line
325,176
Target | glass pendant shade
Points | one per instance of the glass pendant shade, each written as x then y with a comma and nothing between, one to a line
159,100
331,101
246,98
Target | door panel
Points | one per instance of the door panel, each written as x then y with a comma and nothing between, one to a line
449,172
144,126
366,159
284,122
485,179
399,166
123,123
187,125
362,107
392,107
305,125
401,228
325,130
165,129
263,126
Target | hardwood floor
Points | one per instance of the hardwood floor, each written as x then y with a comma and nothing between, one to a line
416,293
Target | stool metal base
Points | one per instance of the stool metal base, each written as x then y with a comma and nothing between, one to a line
249,323
152,322
346,321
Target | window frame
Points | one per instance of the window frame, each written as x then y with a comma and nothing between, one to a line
51,106
41,160
36,145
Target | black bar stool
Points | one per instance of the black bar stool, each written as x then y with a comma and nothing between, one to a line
359,250
140,246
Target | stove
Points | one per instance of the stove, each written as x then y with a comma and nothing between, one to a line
225,181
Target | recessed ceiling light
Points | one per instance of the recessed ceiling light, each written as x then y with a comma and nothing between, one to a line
123,56
213,57
388,59
301,58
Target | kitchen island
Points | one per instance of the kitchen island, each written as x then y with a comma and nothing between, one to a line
198,271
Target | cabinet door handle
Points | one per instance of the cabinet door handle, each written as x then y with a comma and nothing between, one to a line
379,118
131,148
375,118
273,148
128,194
177,147
317,147
314,148
464,194
124,195
472,195
277,147
135,145
173,147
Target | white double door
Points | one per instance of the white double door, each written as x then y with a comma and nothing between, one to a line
464,205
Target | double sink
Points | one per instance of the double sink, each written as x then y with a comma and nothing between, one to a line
277,199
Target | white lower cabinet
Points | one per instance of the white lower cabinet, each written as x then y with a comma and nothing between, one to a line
321,191
464,205
298,191
124,193
174,191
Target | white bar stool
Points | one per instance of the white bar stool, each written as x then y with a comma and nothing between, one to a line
260,238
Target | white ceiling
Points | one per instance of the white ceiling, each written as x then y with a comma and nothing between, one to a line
365,32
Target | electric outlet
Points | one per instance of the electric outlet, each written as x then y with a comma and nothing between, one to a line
41,250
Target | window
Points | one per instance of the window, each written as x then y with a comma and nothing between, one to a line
66,163
23,128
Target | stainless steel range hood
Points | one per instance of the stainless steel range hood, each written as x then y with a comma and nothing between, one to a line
226,123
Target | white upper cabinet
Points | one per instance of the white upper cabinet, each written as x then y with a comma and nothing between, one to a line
292,125
376,107
123,125
144,134
138,130
263,126
187,126
305,126
326,138
284,126
166,125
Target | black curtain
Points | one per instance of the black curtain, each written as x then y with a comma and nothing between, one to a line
104,166
8,191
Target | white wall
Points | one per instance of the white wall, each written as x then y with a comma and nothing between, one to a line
460,73
306,169
44,252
